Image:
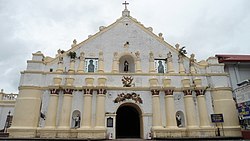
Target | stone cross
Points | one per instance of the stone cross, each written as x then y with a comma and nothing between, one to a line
125,3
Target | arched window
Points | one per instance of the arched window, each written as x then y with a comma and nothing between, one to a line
76,119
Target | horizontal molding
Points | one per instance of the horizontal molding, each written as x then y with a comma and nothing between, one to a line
122,74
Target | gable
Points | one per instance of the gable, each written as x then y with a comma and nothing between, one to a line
125,36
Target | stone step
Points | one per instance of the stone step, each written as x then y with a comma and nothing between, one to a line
4,134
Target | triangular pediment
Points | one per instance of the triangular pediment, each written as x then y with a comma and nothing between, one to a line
125,35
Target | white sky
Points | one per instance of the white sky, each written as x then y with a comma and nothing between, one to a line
205,27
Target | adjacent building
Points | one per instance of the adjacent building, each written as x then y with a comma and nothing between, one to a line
238,68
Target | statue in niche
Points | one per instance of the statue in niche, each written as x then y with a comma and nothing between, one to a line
178,120
160,67
126,66
77,121
91,66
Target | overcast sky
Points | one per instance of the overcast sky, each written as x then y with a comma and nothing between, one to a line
205,27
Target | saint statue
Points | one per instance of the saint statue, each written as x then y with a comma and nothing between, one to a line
126,66
77,121
91,66
160,67
178,120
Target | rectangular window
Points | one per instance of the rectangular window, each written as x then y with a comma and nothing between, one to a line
109,122
160,65
91,64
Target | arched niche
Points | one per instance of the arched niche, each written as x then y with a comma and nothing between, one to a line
76,119
129,61
180,119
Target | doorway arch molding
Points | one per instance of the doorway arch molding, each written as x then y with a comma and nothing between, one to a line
137,106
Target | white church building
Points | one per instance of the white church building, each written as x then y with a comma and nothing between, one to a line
124,82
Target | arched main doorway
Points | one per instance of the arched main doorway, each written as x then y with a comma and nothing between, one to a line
128,122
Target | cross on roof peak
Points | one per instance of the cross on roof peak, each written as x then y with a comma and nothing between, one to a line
125,3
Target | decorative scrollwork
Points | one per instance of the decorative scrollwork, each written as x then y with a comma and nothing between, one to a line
122,97
127,81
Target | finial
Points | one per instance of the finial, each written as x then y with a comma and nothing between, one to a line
74,43
125,12
125,3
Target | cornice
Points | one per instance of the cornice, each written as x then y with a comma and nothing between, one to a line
122,74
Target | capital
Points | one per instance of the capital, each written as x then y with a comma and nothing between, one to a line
88,91
101,91
169,92
155,92
187,92
54,91
68,91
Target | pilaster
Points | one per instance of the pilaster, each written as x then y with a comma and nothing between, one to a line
100,62
115,64
81,63
151,63
170,66
138,62
72,66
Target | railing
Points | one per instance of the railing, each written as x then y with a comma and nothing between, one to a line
10,97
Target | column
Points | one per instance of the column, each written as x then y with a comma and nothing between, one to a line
170,109
190,109
64,122
101,62
50,121
189,104
87,109
100,109
157,121
202,107
81,63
